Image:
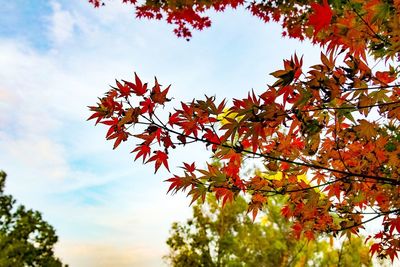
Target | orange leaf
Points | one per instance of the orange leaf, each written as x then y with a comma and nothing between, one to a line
158,96
225,194
366,129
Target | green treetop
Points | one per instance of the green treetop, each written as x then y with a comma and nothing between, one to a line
25,238
217,236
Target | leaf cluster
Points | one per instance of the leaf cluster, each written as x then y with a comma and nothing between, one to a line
336,122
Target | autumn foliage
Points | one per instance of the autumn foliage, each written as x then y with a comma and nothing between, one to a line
336,122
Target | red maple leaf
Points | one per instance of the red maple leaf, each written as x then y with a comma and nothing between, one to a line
119,136
147,106
159,158
384,77
333,190
174,119
375,248
176,183
189,167
321,18
297,229
138,87
286,211
395,224
225,194
142,151
113,123
123,89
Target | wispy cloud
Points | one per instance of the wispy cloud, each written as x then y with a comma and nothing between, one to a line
62,23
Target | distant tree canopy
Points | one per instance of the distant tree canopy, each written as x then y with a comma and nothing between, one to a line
25,238
217,236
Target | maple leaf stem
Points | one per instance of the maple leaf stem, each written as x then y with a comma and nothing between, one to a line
357,224
371,88
353,107
188,142
215,132
149,120
282,192
373,177
336,142
369,26
390,181
277,192
366,221
313,187
371,213
160,121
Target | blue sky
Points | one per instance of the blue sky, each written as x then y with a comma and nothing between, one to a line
20,20
57,58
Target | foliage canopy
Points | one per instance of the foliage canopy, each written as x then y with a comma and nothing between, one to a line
336,122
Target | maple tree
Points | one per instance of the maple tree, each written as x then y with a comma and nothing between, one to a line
337,123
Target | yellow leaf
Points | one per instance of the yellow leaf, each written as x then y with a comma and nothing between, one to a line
223,117
366,129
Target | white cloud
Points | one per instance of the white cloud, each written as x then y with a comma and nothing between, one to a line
62,24
38,154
